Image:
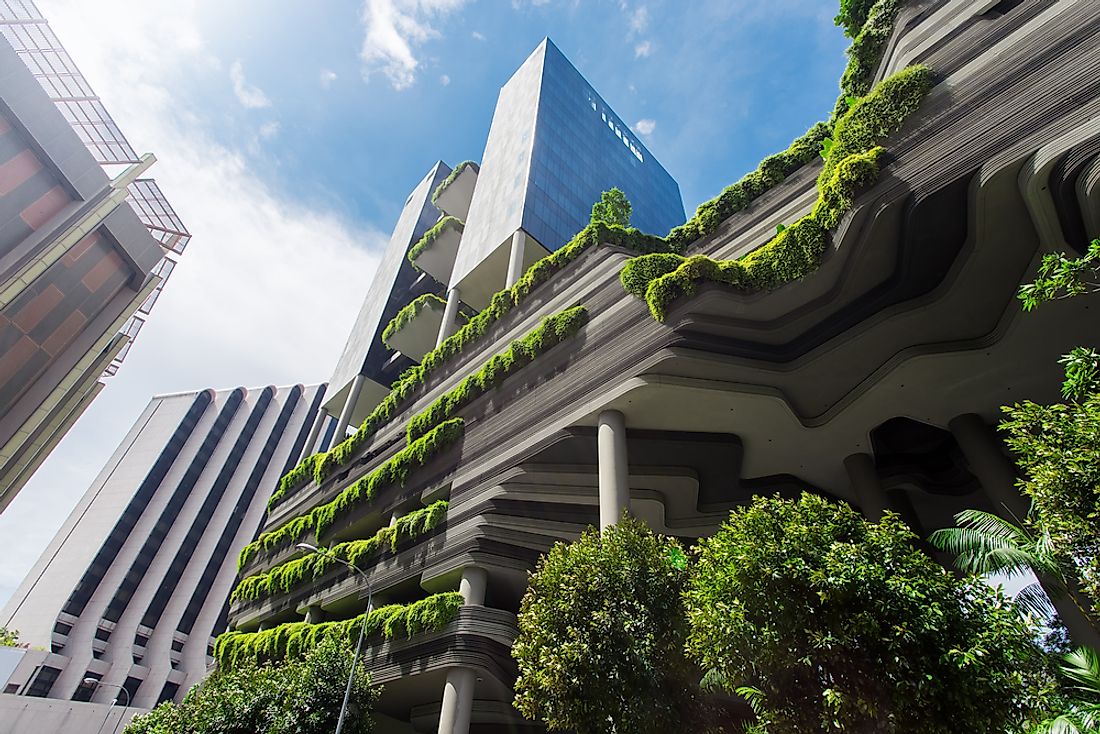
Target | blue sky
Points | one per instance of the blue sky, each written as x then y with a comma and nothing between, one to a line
349,121
288,135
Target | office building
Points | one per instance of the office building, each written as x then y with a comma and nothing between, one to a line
876,377
86,243
135,585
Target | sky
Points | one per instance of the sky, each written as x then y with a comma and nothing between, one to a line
288,135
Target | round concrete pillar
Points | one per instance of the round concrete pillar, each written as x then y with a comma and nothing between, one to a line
866,486
472,586
450,317
614,468
994,471
515,258
458,701
349,407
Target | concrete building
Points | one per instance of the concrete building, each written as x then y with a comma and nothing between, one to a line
876,378
86,244
134,586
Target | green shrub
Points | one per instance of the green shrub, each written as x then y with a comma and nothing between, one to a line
550,332
639,271
432,235
827,622
410,311
851,165
865,53
853,14
295,639
286,576
612,208
393,471
451,177
295,697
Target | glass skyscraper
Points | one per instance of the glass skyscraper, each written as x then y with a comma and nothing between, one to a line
554,146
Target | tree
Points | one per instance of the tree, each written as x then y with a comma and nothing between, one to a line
1081,713
612,208
296,697
601,634
9,638
826,622
1062,277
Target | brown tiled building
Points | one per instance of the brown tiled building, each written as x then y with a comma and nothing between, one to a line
85,244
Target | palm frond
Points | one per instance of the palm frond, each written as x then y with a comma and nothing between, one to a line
1082,666
985,543
1033,600
754,696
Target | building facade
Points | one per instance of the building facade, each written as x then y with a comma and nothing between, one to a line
875,378
86,244
134,586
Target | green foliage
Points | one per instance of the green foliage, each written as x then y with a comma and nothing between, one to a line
865,53
1080,713
410,312
286,576
9,638
296,697
451,177
601,633
1057,447
853,14
851,165
639,271
394,471
832,623
612,208
1063,277
295,639
550,332
432,235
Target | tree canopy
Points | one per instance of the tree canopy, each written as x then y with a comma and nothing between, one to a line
301,696
827,622
612,208
601,634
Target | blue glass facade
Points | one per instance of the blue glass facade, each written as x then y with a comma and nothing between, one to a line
554,146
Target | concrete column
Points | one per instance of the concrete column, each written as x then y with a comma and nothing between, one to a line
314,615
614,469
515,258
994,471
349,406
472,586
866,485
314,434
458,701
450,317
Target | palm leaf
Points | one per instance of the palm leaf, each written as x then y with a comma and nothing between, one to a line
1082,666
985,543
1033,600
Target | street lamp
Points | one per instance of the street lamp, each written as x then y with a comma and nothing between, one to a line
94,683
362,628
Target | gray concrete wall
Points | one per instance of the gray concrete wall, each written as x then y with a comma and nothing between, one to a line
25,715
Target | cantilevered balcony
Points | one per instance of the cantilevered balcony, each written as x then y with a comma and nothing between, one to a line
435,253
455,193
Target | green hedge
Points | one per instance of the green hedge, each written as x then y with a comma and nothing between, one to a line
410,312
284,577
293,639
865,53
550,332
432,235
851,165
451,177
394,471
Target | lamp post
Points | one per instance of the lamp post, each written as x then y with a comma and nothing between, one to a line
362,627
94,682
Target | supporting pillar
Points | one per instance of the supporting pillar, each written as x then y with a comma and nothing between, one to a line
472,586
458,701
994,471
314,615
614,469
515,258
866,485
314,434
450,317
349,407
997,476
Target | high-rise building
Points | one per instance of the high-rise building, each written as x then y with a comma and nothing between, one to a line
135,585
874,375
86,243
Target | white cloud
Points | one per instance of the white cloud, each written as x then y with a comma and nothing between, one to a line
444,79
248,95
265,294
478,36
328,76
269,130
639,19
392,30
645,127
645,48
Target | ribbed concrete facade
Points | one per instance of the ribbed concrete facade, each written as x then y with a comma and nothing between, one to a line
876,379
134,586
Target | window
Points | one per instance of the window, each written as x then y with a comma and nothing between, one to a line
43,682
